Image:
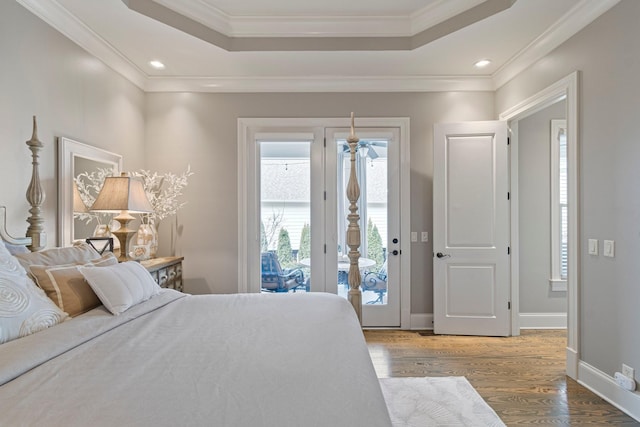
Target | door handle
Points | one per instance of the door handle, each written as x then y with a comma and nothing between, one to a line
441,255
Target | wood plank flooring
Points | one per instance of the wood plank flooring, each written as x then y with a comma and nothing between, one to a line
522,378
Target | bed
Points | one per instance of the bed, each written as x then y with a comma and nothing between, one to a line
164,358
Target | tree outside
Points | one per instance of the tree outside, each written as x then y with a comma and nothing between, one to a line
374,245
264,243
285,253
304,250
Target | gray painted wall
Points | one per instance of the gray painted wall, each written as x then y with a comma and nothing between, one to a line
72,93
606,53
201,129
534,184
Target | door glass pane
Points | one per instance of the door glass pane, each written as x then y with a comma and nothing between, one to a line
371,170
285,208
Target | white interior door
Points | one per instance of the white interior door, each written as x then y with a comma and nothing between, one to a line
471,229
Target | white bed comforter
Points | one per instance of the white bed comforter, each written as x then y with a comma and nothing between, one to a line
208,360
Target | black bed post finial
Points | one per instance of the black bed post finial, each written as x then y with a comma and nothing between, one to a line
35,196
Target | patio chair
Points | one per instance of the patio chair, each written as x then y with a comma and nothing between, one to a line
376,282
276,279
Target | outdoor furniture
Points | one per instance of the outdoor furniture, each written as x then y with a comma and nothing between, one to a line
277,279
376,282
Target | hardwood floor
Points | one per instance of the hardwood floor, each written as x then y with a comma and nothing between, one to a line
521,378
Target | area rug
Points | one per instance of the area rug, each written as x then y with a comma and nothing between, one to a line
436,401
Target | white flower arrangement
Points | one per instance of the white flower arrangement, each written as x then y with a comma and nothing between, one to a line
163,192
89,185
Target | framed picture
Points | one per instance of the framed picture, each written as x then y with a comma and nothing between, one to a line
101,244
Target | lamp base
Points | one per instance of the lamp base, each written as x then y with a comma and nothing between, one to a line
124,235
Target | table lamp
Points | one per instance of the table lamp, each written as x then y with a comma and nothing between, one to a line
125,195
78,204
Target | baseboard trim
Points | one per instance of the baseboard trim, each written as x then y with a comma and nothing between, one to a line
527,321
605,386
572,363
543,320
421,321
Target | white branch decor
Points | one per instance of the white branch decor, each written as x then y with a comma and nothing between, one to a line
89,185
163,192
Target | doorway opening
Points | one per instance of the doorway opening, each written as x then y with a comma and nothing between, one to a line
292,187
565,89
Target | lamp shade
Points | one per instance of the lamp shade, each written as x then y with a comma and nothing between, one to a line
78,204
122,193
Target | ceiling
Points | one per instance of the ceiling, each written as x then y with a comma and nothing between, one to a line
318,46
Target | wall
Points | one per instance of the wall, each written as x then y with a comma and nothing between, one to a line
72,94
201,130
606,53
534,184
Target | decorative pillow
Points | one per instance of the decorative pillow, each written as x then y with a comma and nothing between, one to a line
16,249
66,286
79,253
121,286
9,264
24,308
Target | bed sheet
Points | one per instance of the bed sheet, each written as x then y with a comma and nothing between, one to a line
206,360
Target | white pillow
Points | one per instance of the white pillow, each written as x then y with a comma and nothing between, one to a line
24,308
9,264
121,286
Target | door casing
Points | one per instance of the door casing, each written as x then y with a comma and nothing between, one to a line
248,231
566,88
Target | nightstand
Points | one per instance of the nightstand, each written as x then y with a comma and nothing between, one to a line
166,271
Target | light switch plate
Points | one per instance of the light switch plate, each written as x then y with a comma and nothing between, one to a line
425,236
593,246
414,236
609,248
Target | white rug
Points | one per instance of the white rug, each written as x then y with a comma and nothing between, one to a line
436,401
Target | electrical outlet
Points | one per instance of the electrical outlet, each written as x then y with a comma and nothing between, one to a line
628,371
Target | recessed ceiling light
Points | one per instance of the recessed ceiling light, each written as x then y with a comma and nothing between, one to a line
482,63
157,65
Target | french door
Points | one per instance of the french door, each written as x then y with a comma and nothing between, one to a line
297,214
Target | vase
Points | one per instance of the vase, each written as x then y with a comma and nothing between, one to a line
102,230
148,235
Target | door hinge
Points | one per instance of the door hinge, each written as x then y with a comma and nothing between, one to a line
509,305
325,195
508,250
325,248
325,141
508,195
508,140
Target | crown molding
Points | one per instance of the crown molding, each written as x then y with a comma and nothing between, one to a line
289,26
310,35
581,15
319,26
202,12
51,12
320,84
437,12
58,17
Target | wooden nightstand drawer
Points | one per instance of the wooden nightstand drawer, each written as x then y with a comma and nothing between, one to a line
166,271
